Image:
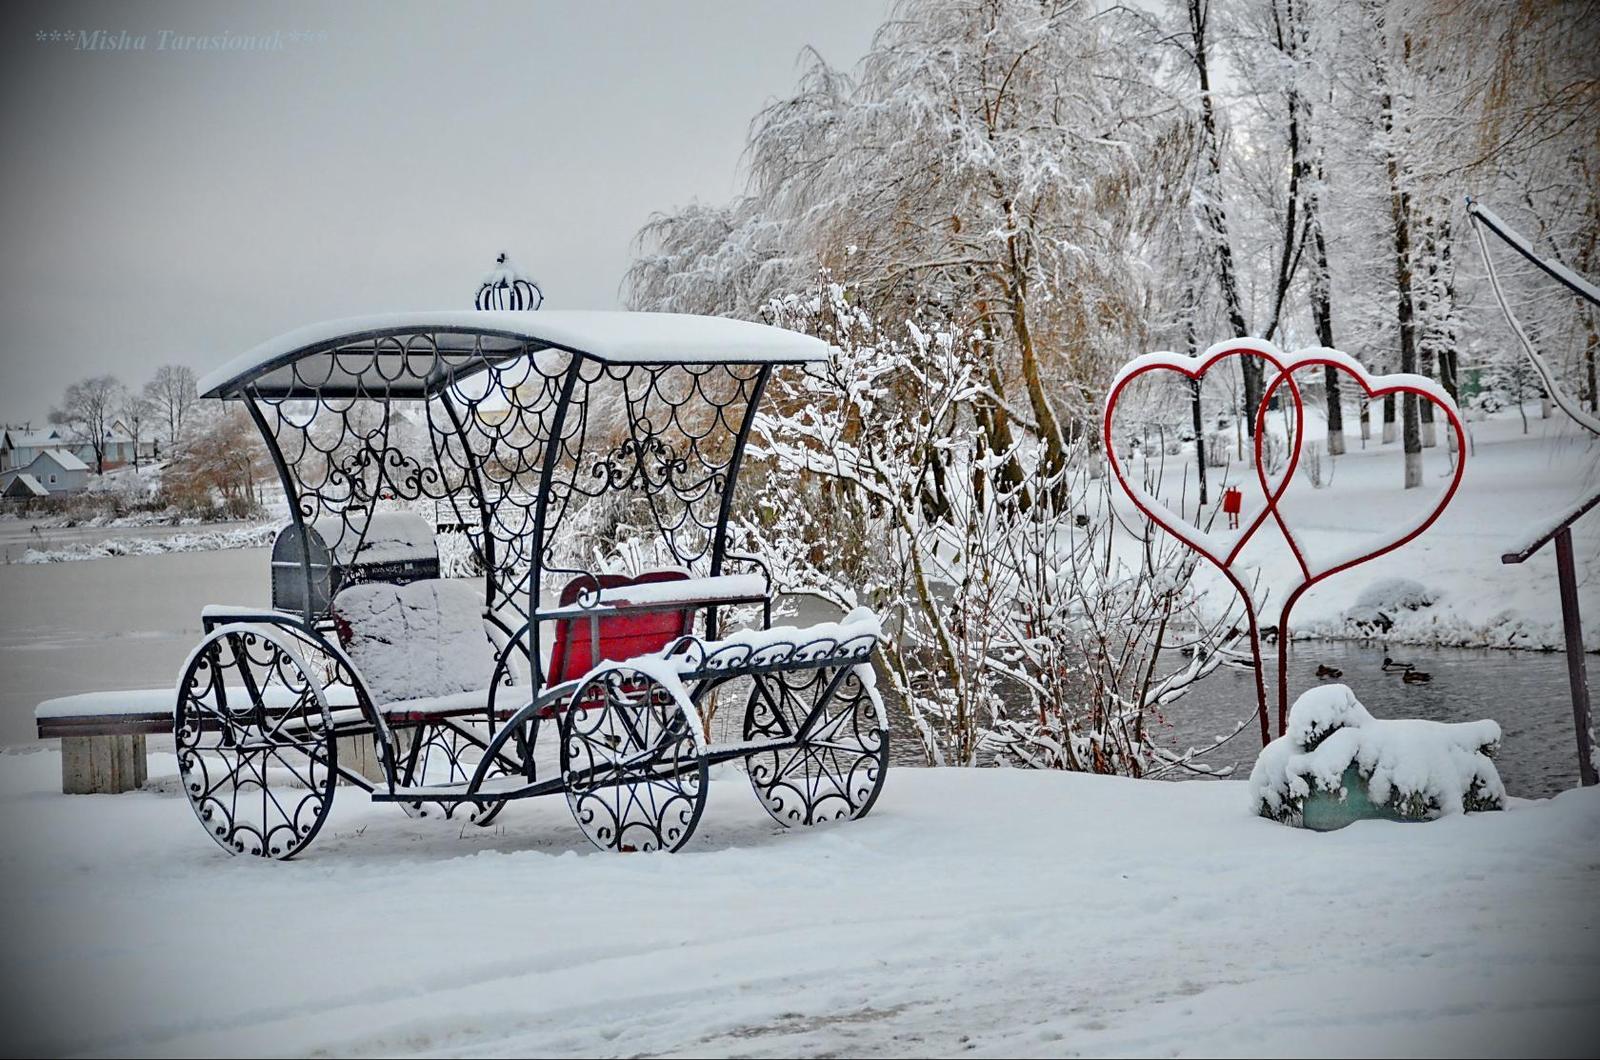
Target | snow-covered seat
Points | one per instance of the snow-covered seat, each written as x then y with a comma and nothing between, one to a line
422,648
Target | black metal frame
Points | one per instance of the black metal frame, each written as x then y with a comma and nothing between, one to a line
527,443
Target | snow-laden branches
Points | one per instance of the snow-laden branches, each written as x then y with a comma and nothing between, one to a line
1027,623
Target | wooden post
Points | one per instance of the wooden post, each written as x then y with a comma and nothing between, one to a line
1576,675
359,754
102,765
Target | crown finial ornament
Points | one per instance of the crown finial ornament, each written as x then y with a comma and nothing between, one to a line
507,287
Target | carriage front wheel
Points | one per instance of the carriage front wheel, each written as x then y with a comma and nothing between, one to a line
832,743
632,763
255,744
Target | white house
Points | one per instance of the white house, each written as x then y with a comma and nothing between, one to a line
54,470
19,447
120,446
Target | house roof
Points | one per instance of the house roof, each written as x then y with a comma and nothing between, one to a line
24,485
64,459
381,354
32,439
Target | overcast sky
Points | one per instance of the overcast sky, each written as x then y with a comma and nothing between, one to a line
180,206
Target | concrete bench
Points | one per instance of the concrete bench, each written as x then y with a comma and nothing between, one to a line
102,736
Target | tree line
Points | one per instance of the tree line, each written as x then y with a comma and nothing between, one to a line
214,460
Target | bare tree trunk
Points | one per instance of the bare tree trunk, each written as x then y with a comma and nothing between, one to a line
1589,349
1322,316
1216,217
1286,40
993,419
1388,419
1431,309
1193,342
1400,214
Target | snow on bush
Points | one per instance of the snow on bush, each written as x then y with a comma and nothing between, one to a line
1419,769
209,541
130,483
1383,600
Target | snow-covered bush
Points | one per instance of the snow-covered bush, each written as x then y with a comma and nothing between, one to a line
1375,609
1418,770
1024,620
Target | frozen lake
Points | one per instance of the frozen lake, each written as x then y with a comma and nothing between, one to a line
130,622
104,624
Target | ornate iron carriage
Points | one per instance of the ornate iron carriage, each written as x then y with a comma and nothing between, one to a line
585,465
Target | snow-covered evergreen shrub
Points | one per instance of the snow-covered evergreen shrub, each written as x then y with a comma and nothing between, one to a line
1419,769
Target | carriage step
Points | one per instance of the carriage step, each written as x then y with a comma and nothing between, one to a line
493,788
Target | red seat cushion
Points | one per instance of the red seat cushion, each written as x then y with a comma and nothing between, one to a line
621,636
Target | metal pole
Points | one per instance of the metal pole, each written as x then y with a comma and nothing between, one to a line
1576,675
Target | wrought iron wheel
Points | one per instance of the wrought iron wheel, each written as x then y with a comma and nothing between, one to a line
440,753
255,743
837,769
631,762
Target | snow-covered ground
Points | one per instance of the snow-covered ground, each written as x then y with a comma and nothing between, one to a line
1512,481
990,912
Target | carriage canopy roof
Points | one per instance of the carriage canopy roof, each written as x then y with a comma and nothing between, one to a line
417,354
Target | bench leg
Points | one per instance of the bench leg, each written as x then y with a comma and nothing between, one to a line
102,765
359,754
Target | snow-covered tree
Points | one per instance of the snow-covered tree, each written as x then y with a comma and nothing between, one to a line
171,393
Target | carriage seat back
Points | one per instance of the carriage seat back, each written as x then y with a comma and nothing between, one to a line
620,636
423,639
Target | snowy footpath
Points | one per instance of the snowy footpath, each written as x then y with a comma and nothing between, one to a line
991,913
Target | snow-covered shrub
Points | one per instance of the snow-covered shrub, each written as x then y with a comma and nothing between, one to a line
1017,627
1419,770
1375,609
215,473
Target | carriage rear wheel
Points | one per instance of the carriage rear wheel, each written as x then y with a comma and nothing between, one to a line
631,762
835,769
255,744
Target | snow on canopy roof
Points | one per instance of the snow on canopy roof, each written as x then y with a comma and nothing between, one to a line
468,339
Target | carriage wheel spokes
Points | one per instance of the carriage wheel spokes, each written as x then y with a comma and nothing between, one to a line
633,769
836,769
255,745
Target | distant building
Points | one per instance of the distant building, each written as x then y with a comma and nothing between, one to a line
22,487
53,470
19,448
120,445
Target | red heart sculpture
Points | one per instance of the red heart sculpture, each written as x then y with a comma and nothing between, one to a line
1375,388
1222,550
